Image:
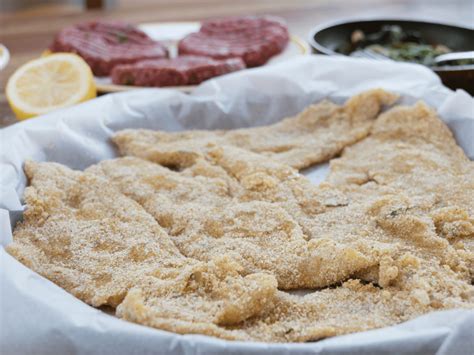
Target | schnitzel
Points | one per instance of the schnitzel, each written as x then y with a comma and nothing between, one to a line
84,235
254,214
412,155
313,136
204,232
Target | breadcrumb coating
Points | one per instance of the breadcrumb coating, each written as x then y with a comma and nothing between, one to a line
313,136
84,235
217,233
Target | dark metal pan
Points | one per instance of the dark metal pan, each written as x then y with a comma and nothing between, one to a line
326,38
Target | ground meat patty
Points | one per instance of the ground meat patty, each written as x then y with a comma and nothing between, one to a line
183,70
255,39
103,45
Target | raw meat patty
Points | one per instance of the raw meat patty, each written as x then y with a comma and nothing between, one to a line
255,39
184,70
103,45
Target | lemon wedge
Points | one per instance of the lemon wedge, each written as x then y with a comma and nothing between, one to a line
4,56
48,83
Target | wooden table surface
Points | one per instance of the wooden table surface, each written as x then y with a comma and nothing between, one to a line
28,32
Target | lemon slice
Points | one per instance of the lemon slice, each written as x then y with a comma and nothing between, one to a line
48,83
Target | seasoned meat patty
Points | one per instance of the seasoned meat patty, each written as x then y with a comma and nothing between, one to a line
103,45
184,70
255,39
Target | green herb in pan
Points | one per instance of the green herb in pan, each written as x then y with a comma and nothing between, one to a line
395,43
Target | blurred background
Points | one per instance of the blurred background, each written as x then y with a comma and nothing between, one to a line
28,26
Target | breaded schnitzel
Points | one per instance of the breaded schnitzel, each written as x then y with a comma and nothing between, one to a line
315,135
209,248
84,235
254,214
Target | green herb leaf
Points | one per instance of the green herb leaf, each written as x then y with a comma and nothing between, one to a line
121,37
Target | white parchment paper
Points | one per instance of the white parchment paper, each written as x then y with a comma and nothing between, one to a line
38,317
